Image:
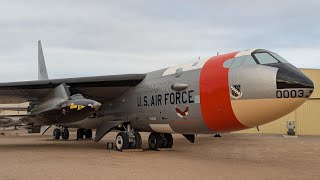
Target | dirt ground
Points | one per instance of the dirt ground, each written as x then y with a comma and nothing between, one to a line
233,156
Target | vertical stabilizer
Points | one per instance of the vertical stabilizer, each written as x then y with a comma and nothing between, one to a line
42,69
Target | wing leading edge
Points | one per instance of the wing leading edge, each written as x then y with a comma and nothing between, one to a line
96,87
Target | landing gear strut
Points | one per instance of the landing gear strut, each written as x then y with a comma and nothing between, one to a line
128,139
160,140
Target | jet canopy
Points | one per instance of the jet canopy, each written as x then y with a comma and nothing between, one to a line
256,57
76,96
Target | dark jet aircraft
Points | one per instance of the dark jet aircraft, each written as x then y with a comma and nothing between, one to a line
225,93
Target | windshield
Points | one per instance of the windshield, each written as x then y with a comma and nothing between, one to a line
76,96
257,57
265,58
239,61
279,57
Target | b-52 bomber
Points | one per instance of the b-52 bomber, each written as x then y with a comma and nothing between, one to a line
224,93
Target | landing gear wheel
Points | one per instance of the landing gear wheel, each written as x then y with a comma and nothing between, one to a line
155,141
80,134
88,134
56,133
169,140
137,141
65,133
122,141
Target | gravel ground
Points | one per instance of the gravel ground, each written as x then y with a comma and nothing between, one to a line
233,156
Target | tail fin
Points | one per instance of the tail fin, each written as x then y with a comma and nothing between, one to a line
42,69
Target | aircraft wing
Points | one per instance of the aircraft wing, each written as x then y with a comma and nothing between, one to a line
57,101
98,87
11,120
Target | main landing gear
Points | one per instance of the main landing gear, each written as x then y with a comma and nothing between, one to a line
128,139
63,132
160,140
84,134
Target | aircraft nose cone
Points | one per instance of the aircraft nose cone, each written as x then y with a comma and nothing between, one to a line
289,77
96,105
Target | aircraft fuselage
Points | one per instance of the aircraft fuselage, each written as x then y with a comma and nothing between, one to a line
225,93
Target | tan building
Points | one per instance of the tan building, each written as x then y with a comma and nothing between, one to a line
11,112
306,117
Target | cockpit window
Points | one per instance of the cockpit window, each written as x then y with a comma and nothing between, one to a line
239,61
279,57
228,63
76,96
249,61
265,58
257,57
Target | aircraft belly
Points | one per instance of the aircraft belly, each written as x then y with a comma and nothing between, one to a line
255,112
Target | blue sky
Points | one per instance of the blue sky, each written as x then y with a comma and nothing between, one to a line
88,38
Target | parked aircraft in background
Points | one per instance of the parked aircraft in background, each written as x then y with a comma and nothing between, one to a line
225,93
12,120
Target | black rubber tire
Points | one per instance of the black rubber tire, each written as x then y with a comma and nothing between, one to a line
88,133
155,141
138,140
169,139
80,133
122,141
65,134
56,134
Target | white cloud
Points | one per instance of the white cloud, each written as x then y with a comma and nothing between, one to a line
84,38
302,57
